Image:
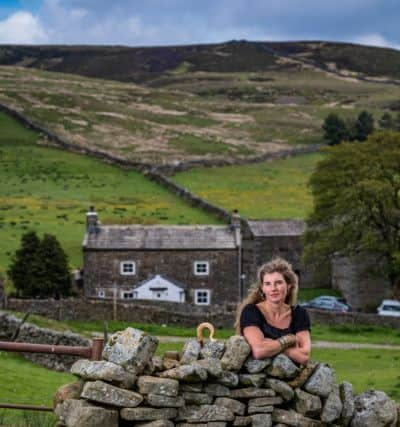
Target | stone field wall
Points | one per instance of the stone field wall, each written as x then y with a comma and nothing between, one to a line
217,384
221,316
30,333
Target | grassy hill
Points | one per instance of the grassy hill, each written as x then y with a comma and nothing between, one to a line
276,190
189,114
50,190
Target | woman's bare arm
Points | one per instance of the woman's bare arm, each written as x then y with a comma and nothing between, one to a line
260,347
302,351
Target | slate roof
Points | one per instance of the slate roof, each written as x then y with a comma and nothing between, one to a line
277,228
160,237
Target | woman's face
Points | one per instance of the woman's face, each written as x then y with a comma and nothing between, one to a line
274,287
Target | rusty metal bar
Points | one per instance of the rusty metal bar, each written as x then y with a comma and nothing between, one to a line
21,347
93,353
26,407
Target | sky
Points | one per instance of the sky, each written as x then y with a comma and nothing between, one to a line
176,22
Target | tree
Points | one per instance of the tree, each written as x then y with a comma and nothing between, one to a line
46,273
356,191
23,262
364,125
386,121
335,130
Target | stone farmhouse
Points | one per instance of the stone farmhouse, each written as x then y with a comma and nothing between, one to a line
199,264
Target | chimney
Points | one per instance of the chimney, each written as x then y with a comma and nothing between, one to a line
91,220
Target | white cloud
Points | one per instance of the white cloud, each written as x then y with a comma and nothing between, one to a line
375,39
22,28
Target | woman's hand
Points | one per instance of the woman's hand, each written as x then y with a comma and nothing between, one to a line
301,352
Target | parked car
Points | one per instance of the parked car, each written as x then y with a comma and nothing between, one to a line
327,302
389,307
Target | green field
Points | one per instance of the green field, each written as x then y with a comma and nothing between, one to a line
277,190
50,190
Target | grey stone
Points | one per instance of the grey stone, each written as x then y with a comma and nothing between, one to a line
251,392
332,408
157,363
162,401
229,379
170,364
197,398
192,387
236,353
68,391
99,391
79,413
374,409
321,381
148,414
217,390
205,414
255,380
211,365
190,352
102,370
292,418
282,367
281,388
254,366
307,404
264,401
161,386
158,423
187,373
260,409
214,349
242,421
131,348
211,424
261,420
235,406
347,398
305,373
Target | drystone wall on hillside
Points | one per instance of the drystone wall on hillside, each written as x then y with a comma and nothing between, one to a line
29,333
217,384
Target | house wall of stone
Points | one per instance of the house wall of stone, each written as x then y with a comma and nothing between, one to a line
258,250
102,271
362,289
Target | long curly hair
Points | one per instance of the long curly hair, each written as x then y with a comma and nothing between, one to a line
255,295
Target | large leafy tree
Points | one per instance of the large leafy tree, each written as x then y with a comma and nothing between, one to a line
356,191
40,267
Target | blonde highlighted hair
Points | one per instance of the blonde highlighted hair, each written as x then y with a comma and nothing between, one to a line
255,295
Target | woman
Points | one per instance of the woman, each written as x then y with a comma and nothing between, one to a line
269,318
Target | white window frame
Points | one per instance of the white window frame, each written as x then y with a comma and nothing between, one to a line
127,273
101,293
201,273
196,295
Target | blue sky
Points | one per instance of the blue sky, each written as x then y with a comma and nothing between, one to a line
162,22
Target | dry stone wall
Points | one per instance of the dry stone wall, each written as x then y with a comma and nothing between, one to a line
216,384
29,333
162,312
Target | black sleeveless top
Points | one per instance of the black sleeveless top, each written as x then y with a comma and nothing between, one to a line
252,316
